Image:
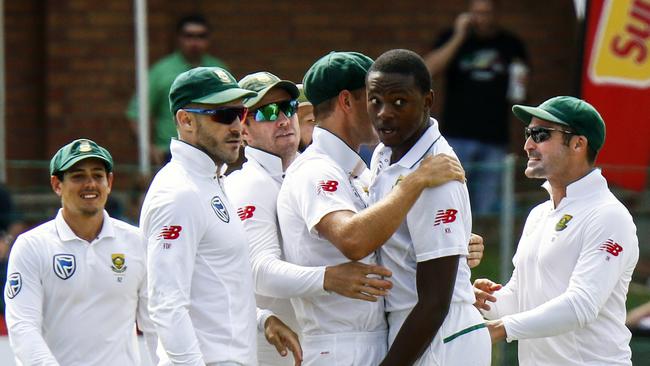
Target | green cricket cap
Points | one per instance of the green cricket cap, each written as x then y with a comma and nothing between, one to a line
581,116
335,72
261,82
76,151
209,85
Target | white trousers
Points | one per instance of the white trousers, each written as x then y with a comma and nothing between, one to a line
345,349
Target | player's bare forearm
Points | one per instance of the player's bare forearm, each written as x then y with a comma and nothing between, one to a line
358,234
497,330
435,283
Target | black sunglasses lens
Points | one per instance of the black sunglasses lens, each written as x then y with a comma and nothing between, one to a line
289,107
228,115
537,134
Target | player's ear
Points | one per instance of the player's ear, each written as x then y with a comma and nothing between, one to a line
56,184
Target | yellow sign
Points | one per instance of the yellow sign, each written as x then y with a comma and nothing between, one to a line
621,52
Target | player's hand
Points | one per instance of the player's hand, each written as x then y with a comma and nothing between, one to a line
497,330
483,291
282,337
352,280
476,249
438,169
462,24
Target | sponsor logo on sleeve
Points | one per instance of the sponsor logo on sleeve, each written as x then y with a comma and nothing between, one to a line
327,186
119,262
245,212
445,216
611,247
170,232
220,209
14,284
64,265
561,225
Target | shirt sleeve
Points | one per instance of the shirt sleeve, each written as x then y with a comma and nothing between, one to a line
437,222
24,305
609,254
323,189
145,324
173,230
272,275
262,315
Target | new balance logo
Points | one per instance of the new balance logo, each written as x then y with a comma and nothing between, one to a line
612,248
170,232
245,212
445,216
328,185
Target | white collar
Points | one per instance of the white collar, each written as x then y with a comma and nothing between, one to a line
66,234
592,183
420,149
267,161
192,159
339,151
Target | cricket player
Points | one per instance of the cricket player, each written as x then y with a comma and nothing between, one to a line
77,284
272,134
565,301
431,316
201,289
323,214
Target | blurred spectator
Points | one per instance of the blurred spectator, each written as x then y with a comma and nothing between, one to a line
306,120
477,58
193,32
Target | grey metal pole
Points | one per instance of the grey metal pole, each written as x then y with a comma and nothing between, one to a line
506,227
142,85
3,94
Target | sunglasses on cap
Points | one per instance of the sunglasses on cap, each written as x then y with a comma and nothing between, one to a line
270,112
541,134
223,115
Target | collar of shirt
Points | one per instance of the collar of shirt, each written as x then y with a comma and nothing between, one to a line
417,151
192,159
272,164
66,233
339,151
592,183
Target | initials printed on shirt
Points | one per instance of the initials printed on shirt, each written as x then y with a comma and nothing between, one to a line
611,247
245,212
170,232
445,216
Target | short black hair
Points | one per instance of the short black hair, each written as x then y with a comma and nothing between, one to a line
405,62
191,19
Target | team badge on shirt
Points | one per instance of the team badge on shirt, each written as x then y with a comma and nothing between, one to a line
220,209
327,186
561,225
64,265
611,247
119,262
14,284
245,212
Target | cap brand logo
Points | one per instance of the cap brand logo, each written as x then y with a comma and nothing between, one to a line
222,76
85,146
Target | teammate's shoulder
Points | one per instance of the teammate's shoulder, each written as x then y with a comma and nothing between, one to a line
124,226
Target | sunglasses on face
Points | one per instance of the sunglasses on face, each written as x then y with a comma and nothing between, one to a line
202,35
270,112
223,115
541,134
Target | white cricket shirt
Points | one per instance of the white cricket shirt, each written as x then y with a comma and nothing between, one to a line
200,281
71,302
565,302
438,225
329,176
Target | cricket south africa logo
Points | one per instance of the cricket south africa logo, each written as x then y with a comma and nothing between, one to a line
220,209
14,284
561,225
119,262
64,265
